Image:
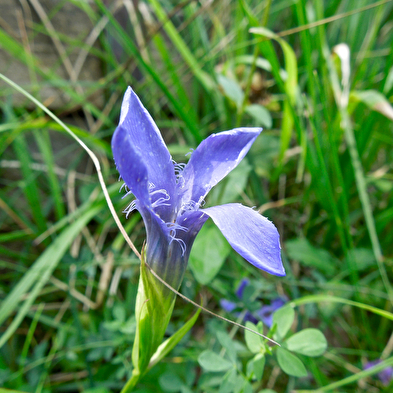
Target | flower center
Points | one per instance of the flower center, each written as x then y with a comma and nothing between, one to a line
179,173
158,198
173,228
191,205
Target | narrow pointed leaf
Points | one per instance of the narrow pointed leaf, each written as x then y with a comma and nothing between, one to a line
172,341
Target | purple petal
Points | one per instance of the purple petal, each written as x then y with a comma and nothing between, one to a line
138,135
131,166
249,317
164,254
192,221
214,158
277,303
253,236
386,375
242,286
266,315
373,363
227,305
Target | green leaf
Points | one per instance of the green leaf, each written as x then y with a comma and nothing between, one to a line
258,365
228,381
301,250
309,342
245,386
283,318
374,100
210,361
172,341
363,258
231,89
260,114
228,344
290,363
208,254
170,382
253,341
260,62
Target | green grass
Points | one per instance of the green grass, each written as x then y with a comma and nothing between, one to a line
322,173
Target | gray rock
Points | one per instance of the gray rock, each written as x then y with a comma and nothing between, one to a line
21,20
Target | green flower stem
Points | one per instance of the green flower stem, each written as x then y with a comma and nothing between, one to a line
153,310
131,383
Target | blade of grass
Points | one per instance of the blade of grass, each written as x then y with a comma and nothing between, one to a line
367,42
181,93
22,221
351,379
188,57
30,334
255,55
39,274
364,198
356,377
43,142
290,87
30,186
335,299
130,47
361,185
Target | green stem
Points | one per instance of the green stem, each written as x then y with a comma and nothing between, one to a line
365,200
241,109
131,383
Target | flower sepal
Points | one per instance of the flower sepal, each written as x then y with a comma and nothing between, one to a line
154,306
172,341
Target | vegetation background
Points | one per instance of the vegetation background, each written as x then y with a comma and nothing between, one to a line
317,75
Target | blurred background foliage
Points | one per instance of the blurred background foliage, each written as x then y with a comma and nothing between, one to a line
321,171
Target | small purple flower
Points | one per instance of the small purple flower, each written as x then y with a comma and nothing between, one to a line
249,316
385,376
227,305
242,286
265,313
169,195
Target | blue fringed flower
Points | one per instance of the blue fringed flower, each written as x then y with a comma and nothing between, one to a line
169,196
